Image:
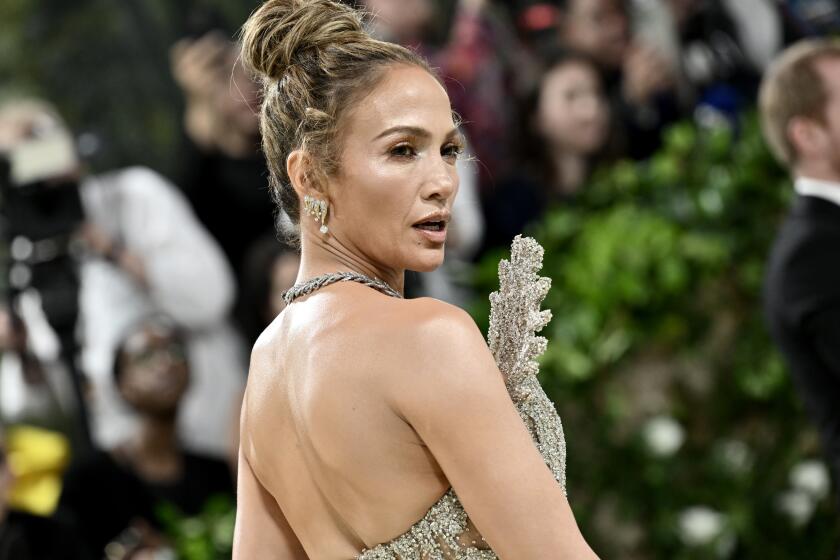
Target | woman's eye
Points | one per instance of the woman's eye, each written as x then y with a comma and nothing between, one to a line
452,151
403,150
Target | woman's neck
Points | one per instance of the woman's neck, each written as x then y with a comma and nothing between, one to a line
327,254
154,453
569,172
157,436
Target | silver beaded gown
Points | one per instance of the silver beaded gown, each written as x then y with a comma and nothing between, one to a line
445,532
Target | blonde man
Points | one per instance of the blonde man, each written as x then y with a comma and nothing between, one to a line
800,110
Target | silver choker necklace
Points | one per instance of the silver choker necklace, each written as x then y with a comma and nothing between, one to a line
317,282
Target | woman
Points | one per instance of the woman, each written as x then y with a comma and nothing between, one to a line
564,132
108,492
568,123
365,412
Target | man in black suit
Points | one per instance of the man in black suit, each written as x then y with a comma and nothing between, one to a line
800,110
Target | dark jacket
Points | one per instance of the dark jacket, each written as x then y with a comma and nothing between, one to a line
802,305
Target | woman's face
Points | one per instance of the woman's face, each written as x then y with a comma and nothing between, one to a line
397,170
401,21
154,370
598,28
572,114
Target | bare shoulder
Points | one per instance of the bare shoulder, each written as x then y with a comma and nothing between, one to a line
262,375
441,350
265,348
439,314
262,365
432,329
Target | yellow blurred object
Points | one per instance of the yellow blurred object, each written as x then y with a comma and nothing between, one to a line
37,459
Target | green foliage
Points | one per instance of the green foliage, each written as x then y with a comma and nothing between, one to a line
207,536
657,273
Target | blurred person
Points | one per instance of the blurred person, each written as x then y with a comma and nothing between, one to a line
567,119
147,252
30,537
641,82
760,29
13,544
112,491
800,112
565,130
221,101
601,29
719,47
814,17
270,269
536,21
221,170
407,22
34,382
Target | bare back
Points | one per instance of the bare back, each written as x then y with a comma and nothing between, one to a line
317,428
350,394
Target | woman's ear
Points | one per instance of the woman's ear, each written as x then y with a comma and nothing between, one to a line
297,168
303,174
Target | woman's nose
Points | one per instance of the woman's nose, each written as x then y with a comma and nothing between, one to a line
589,107
442,182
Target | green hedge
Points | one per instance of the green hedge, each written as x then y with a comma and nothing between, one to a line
685,436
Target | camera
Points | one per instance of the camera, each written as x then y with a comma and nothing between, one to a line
40,213
41,209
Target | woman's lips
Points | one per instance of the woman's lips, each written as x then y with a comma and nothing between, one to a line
432,235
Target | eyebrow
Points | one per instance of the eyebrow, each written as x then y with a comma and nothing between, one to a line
413,131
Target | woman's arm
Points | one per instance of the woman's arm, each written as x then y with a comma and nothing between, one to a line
450,390
261,528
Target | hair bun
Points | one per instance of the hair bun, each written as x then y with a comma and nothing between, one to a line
284,32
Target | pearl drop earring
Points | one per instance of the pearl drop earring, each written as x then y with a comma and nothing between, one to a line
318,209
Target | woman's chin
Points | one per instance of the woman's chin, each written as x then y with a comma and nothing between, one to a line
428,261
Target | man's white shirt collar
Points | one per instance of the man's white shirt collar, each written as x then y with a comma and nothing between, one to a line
827,190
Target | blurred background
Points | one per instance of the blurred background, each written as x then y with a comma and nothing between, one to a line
141,262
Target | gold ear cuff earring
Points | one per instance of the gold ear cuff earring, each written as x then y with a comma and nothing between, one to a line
318,209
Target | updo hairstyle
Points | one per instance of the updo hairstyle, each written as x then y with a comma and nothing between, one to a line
315,61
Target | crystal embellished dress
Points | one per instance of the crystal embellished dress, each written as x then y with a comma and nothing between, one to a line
445,532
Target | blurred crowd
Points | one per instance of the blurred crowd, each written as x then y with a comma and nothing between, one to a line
177,276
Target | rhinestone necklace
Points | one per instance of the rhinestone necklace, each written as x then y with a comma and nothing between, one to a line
317,282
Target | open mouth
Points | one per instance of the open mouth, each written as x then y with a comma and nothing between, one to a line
431,226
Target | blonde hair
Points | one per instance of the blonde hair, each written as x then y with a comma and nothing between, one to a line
315,61
792,87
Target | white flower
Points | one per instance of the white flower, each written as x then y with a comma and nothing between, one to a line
700,525
663,435
798,505
726,545
735,455
812,478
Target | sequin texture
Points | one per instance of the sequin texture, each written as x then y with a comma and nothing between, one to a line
445,532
